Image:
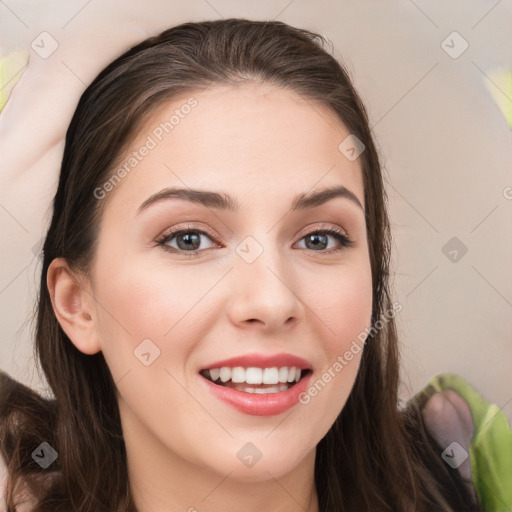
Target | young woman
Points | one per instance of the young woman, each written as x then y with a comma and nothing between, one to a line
214,316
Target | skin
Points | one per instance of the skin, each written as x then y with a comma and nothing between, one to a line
263,146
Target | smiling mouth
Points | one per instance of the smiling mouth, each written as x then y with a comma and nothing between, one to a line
256,380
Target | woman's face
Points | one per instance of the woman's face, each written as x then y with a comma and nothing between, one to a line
248,281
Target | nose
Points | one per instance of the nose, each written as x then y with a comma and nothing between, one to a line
265,291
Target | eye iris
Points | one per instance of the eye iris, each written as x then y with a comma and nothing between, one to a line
315,236
190,237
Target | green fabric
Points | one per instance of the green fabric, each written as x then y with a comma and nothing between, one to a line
490,449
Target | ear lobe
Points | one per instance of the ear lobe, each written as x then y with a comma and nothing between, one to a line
73,306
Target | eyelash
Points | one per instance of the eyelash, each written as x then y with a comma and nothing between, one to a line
162,241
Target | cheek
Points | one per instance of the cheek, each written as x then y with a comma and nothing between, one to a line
140,300
134,306
344,305
355,306
344,318
145,298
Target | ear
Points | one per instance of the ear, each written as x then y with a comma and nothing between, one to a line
73,305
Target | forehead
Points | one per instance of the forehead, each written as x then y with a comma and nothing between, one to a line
248,138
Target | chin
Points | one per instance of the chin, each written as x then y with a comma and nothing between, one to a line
250,464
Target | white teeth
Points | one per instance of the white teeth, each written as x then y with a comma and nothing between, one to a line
262,391
283,374
225,374
238,374
254,375
270,376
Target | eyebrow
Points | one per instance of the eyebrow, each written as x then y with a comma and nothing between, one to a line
222,201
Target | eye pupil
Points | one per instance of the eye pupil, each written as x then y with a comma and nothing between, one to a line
194,238
315,236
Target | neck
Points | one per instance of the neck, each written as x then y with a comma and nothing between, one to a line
160,481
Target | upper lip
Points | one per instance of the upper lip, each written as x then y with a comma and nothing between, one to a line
262,361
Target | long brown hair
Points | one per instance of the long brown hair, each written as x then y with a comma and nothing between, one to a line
375,457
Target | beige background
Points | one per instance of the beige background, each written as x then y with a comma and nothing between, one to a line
445,145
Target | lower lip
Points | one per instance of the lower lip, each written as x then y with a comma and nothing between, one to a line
265,404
